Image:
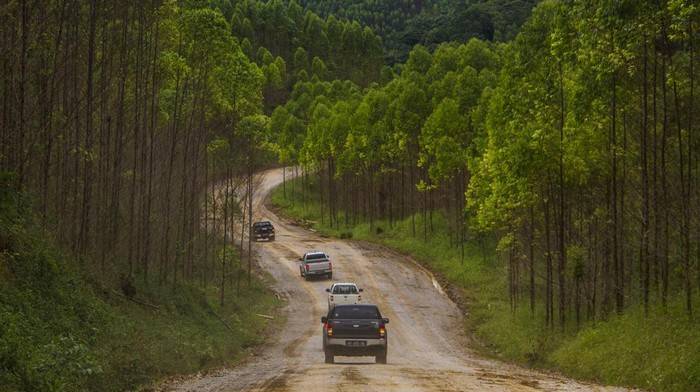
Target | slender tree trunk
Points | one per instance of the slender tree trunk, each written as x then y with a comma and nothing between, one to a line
549,301
683,208
250,220
644,237
22,93
226,208
664,187
617,273
531,257
562,206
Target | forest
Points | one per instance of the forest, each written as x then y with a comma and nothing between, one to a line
571,149
561,135
119,119
573,145
406,23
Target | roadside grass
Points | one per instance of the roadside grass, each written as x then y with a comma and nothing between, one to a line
660,352
61,330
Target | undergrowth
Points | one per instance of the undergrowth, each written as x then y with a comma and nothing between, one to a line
63,330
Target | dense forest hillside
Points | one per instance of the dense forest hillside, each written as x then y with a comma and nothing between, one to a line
573,148
290,45
405,23
131,132
566,150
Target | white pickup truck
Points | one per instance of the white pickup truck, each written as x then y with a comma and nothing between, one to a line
343,294
315,264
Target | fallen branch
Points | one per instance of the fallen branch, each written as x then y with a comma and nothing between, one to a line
264,316
136,301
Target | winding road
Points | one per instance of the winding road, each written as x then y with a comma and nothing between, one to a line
428,349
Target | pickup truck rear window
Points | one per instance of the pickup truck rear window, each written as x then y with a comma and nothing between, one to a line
355,312
344,289
316,257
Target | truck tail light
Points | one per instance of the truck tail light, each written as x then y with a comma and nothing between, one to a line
359,298
329,329
331,297
307,267
330,265
382,331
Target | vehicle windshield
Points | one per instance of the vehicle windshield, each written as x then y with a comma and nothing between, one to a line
362,312
316,257
344,289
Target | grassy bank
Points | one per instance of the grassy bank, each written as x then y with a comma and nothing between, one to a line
61,330
660,352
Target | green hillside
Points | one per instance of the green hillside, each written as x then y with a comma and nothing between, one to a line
404,23
64,329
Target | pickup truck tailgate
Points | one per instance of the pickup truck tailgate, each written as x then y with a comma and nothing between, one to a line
318,266
344,299
355,329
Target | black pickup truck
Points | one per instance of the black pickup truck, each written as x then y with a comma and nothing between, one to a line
355,331
263,230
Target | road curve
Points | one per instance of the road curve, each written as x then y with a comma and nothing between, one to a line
428,350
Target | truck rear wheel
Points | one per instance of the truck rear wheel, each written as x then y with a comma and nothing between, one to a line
329,357
381,358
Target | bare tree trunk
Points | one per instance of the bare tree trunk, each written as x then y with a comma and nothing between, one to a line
250,220
614,200
683,208
562,206
531,257
226,207
22,93
548,244
664,187
644,237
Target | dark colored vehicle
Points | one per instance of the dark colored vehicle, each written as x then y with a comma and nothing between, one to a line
263,231
355,331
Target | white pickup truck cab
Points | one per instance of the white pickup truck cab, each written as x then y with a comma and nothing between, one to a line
343,294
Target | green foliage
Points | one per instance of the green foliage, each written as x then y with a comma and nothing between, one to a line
421,116
345,49
404,23
63,331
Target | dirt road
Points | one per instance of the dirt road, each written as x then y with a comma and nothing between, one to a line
428,350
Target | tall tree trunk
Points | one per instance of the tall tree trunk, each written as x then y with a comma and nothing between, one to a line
531,256
644,236
549,300
562,206
250,219
664,186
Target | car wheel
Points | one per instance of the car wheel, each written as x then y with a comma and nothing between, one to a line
381,358
328,356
